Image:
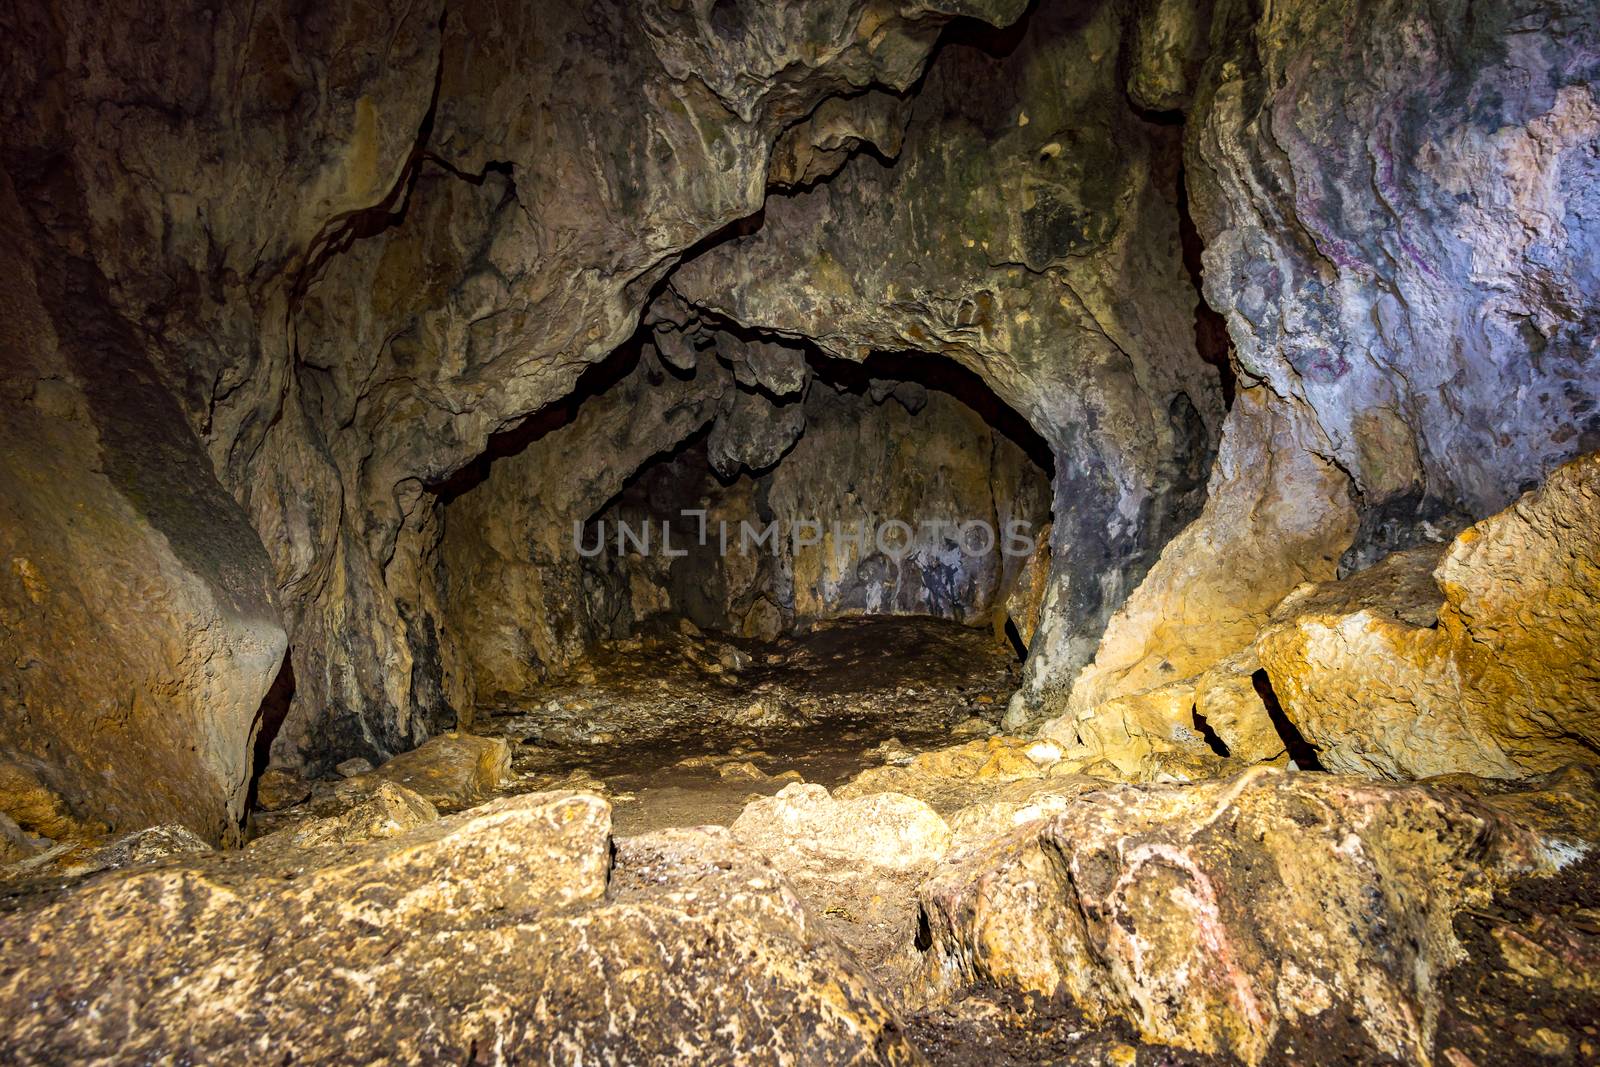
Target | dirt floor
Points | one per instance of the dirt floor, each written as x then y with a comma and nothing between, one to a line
682,729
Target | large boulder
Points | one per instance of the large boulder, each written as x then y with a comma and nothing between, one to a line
1479,659
450,771
504,933
1220,916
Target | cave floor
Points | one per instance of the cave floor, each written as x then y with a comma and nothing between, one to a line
680,728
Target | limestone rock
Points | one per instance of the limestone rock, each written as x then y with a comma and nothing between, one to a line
451,771
15,845
387,810
803,825
952,778
420,266
1480,661
279,787
1228,697
1169,45
1276,515
1408,257
1215,915
354,767
1002,238
505,928
140,625
751,432
1131,732
1032,579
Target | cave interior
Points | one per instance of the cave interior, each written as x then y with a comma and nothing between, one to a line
750,531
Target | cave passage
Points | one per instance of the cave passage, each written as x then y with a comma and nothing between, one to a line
805,566
966,532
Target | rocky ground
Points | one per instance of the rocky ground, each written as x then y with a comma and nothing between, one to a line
823,850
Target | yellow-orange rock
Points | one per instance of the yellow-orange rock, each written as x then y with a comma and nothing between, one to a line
1505,682
1212,916
1277,514
449,771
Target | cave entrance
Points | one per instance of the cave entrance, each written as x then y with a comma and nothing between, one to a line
746,563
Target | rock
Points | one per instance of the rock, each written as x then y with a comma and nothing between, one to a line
855,861
1144,736
1361,327
1026,598
15,845
351,768
1228,697
153,844
280,787
1056,186
763,622
1212,916
949,779
751,433
1277,514
140,619
979,824
503,928
1477,660
804,826
452,770
387,810
31,794
893,751
761,713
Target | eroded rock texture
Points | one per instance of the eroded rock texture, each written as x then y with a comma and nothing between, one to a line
355,246
1218,916
1008,235
1398,202
682,491
505,933
1478,658
139,623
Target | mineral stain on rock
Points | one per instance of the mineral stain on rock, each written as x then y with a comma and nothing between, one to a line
734,531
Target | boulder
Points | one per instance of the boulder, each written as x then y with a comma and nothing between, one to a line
449,771
803,826
387,810
280,787
504,932
1228,698
1215,916
1476,658
948,779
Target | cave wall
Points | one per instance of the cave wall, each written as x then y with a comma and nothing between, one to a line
1401,216
355,244
1029,230
517,591
347,250
893,452
138,620
537,570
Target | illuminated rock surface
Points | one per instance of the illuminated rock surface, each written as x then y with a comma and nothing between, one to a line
330,338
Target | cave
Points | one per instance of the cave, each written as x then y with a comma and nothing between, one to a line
745,531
